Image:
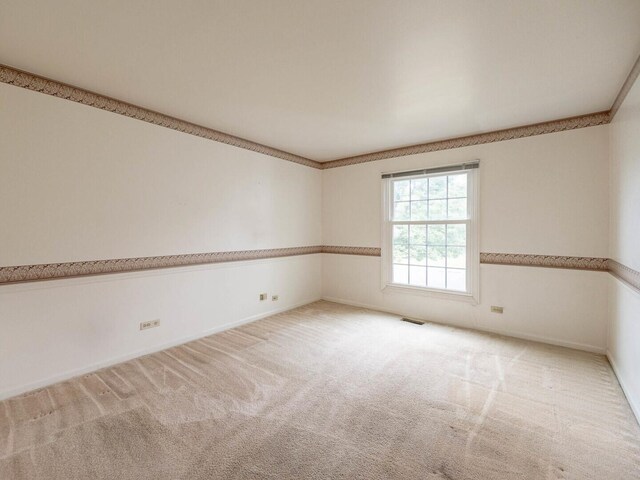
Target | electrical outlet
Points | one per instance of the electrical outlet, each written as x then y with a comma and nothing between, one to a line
495,309
263,297
274,298
149,324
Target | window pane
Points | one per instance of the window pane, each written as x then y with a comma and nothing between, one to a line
418,276
435,277
457,235
419,210
418,255
456,279
401,274
436,256
400,234
436,234
418,235
437,187
419,189
400,253
456,257
458,185
431,255
457,208
437,209
401,190
401,211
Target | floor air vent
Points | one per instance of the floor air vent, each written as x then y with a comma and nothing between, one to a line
411,320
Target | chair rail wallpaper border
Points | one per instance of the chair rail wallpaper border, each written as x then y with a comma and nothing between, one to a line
342,250
53,271
546,261
37,83
625,274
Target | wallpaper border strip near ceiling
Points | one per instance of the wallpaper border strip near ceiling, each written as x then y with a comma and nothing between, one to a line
553,126
626,87
572,123
30,81
53,271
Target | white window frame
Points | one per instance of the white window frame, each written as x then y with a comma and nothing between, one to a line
472,295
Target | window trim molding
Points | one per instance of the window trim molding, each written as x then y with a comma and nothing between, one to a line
473,269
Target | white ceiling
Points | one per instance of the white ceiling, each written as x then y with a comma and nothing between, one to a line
333,78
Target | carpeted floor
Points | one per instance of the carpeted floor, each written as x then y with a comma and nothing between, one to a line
329,391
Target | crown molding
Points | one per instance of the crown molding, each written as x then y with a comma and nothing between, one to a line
571,123
626,87
37,83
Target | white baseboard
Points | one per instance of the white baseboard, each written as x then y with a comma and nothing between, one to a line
506,333
633,403
140,353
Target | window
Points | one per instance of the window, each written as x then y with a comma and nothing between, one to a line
430,240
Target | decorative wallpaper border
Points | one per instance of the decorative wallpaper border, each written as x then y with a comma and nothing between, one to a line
547,261
51,271
572,123
40,84
366,251
626,86
553,126
37,83
625,274
622,272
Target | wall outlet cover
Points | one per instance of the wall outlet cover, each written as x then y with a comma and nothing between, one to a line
149,324
263,296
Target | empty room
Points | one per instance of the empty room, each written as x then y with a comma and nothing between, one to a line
320,239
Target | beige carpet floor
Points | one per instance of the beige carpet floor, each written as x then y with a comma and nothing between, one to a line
330,391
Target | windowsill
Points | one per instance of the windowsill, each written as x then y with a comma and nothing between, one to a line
433,293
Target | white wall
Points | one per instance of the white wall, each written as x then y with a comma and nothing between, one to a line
78,183
624,328
541,195
57,329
